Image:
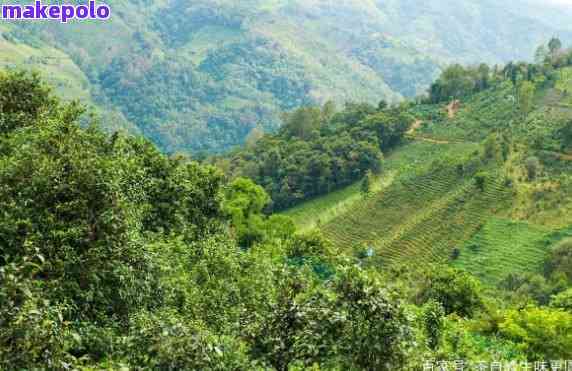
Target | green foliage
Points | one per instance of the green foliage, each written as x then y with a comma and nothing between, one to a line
365,186
23,99
317,152
566,133
433,318
352,323
563,300
542,333
33,329
457,291
456,82
114,255
560,260
167,341
244,202
532,165
481,180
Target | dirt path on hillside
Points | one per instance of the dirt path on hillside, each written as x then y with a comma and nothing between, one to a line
416,125
453,108
430,140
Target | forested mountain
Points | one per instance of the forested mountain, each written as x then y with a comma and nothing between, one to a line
200,76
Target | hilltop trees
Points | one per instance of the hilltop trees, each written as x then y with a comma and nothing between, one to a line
457,82
318,150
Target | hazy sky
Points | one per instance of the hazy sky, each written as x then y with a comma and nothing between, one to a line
558,2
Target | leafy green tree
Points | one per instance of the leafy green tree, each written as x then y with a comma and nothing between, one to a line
365,187
532,165
352,323
560,259
562,300
457,291
389,128
455,82
433,318
566,133
69,195
24,97
543,333
172,343
244,202
302,122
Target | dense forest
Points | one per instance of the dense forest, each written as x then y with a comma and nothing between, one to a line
318,150
114,255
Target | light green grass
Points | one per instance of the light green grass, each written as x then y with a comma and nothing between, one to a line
56,68
316,212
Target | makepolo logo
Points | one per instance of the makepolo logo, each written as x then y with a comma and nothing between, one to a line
58,12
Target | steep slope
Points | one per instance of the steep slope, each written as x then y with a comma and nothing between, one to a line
200,76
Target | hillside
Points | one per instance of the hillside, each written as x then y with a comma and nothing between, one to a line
201,76
485,188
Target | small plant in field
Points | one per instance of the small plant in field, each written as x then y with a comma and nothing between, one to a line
532,165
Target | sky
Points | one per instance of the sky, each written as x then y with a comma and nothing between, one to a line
556,2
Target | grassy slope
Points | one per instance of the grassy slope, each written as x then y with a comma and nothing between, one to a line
56,67
59,70
424,213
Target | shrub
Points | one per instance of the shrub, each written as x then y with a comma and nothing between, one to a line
532,165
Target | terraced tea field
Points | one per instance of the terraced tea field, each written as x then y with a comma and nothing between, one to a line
402,163
502,246
423,218
425,210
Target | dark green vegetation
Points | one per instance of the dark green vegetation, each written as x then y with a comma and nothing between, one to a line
318,150
113,254
200,76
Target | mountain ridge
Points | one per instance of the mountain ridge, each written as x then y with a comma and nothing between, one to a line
200,77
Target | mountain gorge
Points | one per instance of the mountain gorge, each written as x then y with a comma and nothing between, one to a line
199,77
